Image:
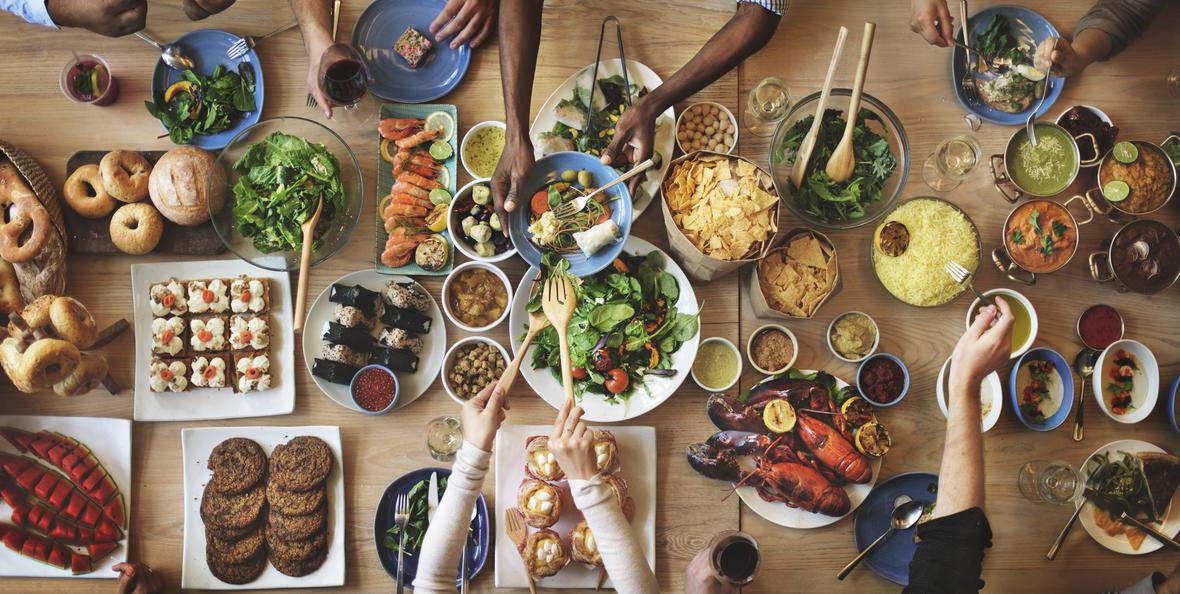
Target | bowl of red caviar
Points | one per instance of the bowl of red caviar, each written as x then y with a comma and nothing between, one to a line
374,389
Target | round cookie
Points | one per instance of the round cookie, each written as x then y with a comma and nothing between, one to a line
301,464
234,551
299,550
232,533
291,503
299,568
232,511
237,464
297,527
236,573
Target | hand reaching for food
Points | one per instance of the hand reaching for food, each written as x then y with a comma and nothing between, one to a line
137,578
469,21
699,578
984,347
1059,57
482,416
933,21
572,443
515,163
634,139
196,10
112,18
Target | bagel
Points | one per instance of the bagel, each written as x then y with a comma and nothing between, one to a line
136,228
125,175
86,194
27,227
72,322
35,316
10,297
44,363
86,376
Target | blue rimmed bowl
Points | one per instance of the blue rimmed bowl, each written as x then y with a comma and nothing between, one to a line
1171,410
1066,387
905,372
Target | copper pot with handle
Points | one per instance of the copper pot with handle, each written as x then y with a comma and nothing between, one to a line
1143,257
1007,254
1118,211
1000,165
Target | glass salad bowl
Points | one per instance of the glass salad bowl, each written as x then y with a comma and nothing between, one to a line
781,160
257,203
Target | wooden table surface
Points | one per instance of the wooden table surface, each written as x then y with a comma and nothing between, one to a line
906,74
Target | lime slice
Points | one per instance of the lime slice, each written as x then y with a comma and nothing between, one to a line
444,177
441,120
779,416
1116,191
1126,152
441,150
440,196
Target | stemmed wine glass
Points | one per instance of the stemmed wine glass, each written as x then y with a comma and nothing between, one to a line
345,81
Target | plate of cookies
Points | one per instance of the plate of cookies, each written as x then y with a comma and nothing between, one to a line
213,340
264,508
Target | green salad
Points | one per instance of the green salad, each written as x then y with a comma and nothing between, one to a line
281,180
819,196
1120,476
996,39
418,523
625,328
198,104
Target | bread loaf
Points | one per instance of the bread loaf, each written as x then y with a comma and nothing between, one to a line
179,182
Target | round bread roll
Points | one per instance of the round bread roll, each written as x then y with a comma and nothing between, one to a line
179,182
136,228
125,175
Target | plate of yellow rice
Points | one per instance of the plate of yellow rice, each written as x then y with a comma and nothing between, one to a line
914,242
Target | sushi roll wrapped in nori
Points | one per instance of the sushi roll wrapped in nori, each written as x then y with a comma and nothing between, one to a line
406,296
357,340
400,339
410,320
343,354
395,359
356,296
353,317
333,371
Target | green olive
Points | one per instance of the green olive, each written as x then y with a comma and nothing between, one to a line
569,175
585,179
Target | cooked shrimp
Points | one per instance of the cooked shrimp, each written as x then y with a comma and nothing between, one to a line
402,187
417,138
398,128
418,180
393,223
405,210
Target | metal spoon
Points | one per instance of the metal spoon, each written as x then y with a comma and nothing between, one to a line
905,515
1032,116
1083,363
171,53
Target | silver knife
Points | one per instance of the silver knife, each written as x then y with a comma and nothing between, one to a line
432,497
1121,515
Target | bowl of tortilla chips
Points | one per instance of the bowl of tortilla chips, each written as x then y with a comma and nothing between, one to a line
720,211
796,277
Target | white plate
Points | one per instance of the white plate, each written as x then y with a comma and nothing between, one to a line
637,454
1145,387
411,385
209,403
793,517
638,74
597,409
1120,544
195,446
110,441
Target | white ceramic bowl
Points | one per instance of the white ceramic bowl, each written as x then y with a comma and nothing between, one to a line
991,389
724,111
449,361
467,137
832,348
781,328
1009,294
446,294
454,225
736,353
1145,387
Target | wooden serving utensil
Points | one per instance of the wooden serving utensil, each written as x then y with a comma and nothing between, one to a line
558,303
517,533
808,143
537,323
843,160
305,263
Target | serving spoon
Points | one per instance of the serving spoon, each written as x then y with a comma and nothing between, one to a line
905,514
305,263
843,160
170,53
808,143
537,322
1083,363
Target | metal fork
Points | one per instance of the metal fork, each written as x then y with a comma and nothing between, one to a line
311,102
401,517
463,559
963,276
247,43
575,206
969,82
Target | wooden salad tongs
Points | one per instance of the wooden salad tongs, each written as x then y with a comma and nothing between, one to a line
559,303
808,143
305,264
842,163
537,322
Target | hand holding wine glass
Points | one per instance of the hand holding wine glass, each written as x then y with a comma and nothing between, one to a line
343,85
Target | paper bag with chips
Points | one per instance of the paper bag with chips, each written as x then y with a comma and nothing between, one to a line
795,277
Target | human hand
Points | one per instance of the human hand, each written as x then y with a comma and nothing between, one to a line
482,415
572,443
515,163
634,139
984,347
137,578
933,21
113,18
699,578
196,10
1171,584
1056,55
471,19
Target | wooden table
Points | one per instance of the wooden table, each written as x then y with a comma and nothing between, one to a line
37,118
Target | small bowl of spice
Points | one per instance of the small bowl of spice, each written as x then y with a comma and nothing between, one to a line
718,364
853,336
1100,326
772,349
374,389
883,379
471,365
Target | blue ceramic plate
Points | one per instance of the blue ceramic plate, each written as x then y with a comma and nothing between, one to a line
518,220
1035,28
892,558
1171,409
1066,387
380,26
477,546
207,49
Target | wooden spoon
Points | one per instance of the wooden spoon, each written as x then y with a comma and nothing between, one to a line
517,533
537,323
558,303
305,263
808,143
843,160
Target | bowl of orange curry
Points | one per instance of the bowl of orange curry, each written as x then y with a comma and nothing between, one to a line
1040,236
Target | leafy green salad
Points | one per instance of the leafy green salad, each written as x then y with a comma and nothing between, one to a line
281,180
625,328
819,196
418,523
198,104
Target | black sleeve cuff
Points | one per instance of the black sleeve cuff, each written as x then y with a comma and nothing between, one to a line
949,558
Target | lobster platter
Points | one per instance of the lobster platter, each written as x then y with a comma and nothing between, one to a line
807,471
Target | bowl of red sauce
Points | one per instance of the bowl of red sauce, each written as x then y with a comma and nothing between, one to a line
883,379
1100,326
374,389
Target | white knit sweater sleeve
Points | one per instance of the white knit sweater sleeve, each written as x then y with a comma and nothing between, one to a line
624,560
438,562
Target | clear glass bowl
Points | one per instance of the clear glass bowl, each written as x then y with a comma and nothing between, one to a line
335,231
899,145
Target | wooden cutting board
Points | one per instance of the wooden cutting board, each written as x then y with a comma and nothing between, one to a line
93,236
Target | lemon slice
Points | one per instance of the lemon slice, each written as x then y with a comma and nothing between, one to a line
387,150
441,120
857,412
1116,191
444,177
1029,72
779,416
436,220
1126,152
872,440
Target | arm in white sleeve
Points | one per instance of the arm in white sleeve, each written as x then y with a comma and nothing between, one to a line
439,559
624,560
32,11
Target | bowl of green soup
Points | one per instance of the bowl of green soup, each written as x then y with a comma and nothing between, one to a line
481,148
1024,332
1043,170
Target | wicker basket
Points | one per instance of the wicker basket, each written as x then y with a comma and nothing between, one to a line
41,185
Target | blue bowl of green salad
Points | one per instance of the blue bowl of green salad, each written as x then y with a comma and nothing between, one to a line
272,175
882,162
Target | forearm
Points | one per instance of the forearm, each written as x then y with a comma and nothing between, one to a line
315,21
960,482
520,35
444,538
1111,25
621,555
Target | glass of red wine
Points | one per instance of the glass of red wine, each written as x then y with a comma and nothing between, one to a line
735,557
87,79
345,81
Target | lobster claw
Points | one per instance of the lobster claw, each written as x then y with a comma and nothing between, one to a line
713,462
727,413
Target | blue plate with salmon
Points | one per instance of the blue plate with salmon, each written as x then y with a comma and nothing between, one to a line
378,31
891,559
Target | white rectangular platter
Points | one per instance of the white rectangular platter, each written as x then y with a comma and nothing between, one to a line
110,441
637,453
210,403
196,444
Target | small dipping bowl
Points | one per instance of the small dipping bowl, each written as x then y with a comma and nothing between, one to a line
737,372
1171,409
723,112
1009,295
832,326
1091,316
765,328
468,137
905,374
376,370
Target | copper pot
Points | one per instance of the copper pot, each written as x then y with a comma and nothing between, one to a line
1003,259
1001,180
1098,203
1151,258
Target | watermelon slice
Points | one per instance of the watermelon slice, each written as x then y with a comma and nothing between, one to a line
43,443
10,493
91,515
36,547
30,476
80,564
76,505
99,551
60,494
59,556
93,478
15,466
14,538
20,514
46,485
116,511
103,491
107,531
59,451
19,438
77,464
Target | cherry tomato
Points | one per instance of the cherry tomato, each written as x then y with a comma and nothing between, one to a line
579,373
617,381
601,360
